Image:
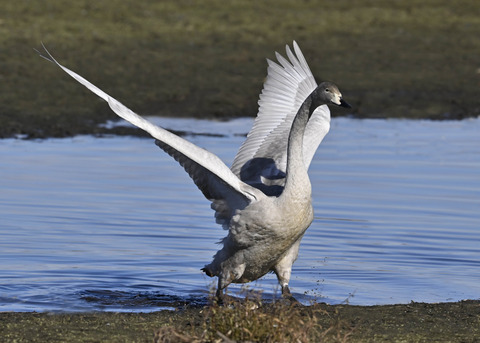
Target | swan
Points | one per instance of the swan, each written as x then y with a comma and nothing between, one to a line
264,199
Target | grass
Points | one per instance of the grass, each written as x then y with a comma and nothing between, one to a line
252,320
415,59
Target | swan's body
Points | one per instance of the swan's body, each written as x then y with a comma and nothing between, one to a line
264,200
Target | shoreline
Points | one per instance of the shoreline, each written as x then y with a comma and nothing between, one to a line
414,322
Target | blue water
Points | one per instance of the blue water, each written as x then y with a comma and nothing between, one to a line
115,224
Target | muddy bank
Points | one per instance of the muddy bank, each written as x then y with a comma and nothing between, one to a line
414,322
410,59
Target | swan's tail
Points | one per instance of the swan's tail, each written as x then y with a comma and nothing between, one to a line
207,271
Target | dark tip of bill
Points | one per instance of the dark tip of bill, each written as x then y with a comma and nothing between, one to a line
345,104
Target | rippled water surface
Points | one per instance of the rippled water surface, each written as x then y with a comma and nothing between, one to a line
115,224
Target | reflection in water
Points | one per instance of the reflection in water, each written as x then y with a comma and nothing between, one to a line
115,224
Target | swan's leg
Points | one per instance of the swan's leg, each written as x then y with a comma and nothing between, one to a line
219,294
221,285
283,276
283,268
223,282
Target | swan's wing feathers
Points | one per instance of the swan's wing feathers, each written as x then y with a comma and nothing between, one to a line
210,174
77,77
317,128
303,66
214,179
225,200
287,85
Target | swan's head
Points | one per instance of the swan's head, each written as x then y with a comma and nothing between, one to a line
328,93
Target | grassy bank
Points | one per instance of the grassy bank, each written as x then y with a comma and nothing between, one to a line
415,322
416,59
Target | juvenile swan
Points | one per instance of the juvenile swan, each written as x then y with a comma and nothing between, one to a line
264,200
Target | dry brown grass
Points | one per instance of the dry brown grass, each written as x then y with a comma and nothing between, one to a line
252,320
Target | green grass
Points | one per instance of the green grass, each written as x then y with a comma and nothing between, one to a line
415,59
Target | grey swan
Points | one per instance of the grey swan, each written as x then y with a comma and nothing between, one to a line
264,199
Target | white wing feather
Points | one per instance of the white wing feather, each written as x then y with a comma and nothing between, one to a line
263,155
210,174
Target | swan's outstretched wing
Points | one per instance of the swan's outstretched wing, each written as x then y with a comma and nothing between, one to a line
210,174
262,156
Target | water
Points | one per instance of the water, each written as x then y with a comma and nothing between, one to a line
115,224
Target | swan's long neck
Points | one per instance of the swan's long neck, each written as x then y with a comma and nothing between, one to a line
297,182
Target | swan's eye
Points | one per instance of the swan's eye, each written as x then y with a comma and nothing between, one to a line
327,90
